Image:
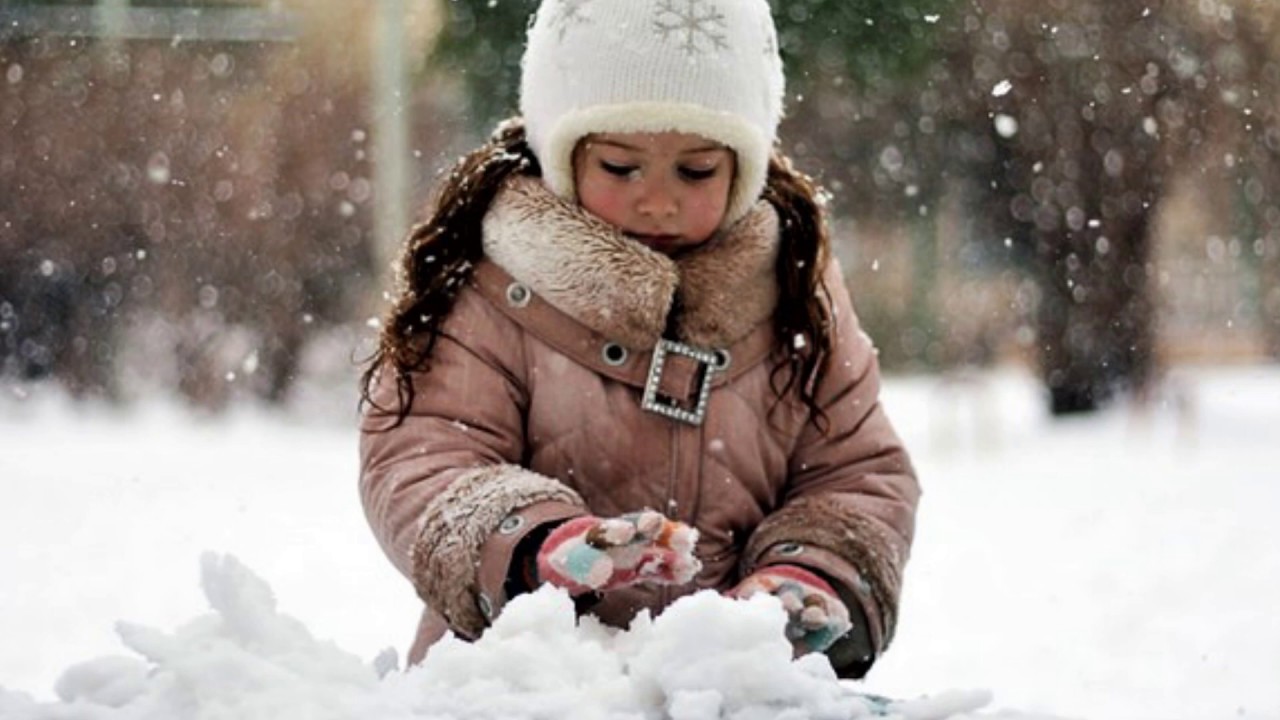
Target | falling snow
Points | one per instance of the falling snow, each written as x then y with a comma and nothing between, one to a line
1006,125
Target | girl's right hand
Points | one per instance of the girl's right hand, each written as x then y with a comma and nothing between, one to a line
589,554
816,618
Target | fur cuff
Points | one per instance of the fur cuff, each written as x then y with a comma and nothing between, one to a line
825,523
446,557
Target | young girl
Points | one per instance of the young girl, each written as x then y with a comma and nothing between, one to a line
625,363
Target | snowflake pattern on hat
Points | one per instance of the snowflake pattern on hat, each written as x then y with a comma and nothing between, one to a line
698,23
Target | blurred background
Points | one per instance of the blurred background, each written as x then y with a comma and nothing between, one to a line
204,199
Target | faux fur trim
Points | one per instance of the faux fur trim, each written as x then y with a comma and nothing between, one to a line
446,556
580,264
621,289
730,285
825,523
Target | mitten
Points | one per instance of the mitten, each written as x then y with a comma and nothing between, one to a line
597,554
816,617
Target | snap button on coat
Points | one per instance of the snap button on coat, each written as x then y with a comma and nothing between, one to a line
790,549
519,294
614,354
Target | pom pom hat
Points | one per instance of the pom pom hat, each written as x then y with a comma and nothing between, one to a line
705,67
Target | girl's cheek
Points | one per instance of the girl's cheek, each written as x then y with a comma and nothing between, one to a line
607,203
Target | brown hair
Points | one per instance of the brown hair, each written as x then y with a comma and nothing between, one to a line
441,252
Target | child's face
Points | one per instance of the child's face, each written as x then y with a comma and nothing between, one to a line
666,190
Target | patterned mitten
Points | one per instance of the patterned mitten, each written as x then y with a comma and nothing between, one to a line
591,553
816,617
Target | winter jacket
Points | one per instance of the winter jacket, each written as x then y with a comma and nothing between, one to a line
532,412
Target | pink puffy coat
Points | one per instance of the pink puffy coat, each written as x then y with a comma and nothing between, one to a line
532,413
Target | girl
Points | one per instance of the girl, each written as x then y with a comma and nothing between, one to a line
624,362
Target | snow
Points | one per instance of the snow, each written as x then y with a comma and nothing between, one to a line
706,657
1122,566
1006,125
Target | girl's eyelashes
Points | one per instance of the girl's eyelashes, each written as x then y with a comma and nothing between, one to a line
698,174
616,169
692,174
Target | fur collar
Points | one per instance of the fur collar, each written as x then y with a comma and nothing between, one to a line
623,290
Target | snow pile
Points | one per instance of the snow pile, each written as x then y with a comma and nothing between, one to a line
1110,567
706,657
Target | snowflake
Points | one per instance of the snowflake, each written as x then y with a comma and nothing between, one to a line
694,22
568,13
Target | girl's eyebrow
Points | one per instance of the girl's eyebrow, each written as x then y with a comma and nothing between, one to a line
633,148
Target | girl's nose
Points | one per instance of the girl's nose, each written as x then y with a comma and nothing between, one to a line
657,199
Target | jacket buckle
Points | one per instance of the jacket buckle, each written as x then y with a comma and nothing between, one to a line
708,364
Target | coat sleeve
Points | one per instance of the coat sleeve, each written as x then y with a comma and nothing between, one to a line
444,491
850,504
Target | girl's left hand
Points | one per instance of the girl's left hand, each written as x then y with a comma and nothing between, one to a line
600,554
816,617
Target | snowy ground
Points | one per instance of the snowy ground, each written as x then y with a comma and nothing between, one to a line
1121,567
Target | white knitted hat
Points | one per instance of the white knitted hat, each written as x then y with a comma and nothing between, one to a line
706,67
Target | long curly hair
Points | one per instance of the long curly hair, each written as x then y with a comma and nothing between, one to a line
441,252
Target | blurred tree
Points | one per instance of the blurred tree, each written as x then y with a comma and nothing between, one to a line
205,197
1092,109
1072,92
1247,57
480,46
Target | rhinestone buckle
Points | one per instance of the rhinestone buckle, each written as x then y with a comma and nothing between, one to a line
708,365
